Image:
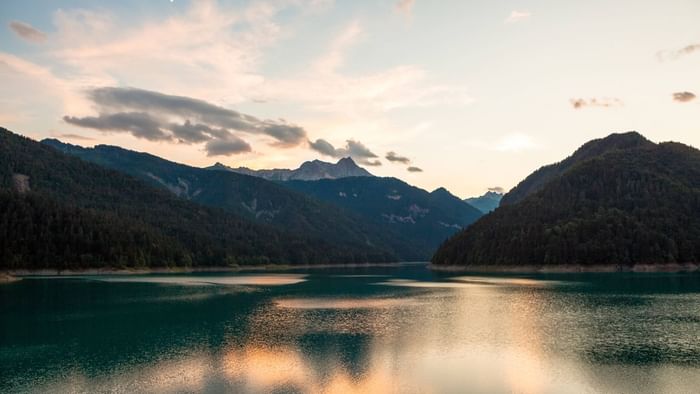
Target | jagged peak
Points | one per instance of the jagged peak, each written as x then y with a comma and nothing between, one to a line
347,160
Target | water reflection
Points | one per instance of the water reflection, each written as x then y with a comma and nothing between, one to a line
208,280
342,303
351,333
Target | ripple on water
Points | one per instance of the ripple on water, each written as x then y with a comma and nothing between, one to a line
342,303
251,280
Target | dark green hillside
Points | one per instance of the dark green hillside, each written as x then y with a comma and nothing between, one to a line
539,178
426,219
59,211
639,204
253,198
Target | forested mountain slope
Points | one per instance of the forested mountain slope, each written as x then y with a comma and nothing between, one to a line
57,211
597,147
638,204
253,198
426,219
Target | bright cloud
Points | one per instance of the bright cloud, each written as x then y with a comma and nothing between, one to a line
515,142
517,16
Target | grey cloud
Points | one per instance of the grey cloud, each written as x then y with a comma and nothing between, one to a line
357,149
496,189
605,102
683,97
158,116
354,149
139,124
393,157
323,147
226,147
214,116
27,32
285,134
414,169
189,132
675,54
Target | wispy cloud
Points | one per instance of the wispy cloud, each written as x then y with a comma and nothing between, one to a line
677,53
517,16
684,97
496,189
605,102
326,89
414,169
28,32
352,148
404,6
76,137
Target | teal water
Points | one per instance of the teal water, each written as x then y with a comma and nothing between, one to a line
402,329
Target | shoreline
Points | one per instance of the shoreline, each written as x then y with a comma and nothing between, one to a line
7,278
568,268
14,275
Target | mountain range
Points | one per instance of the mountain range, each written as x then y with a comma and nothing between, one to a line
58,211
308,171
486,202
388,215
427,219
249,197
619,201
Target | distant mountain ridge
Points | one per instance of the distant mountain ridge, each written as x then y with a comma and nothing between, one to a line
425,218
308,171
486,202
617,202
254,198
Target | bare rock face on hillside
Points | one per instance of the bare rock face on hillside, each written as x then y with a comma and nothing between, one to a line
21,183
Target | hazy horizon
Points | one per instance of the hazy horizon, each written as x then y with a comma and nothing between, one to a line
476,94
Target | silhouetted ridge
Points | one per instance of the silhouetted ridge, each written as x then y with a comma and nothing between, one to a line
539,178
629,202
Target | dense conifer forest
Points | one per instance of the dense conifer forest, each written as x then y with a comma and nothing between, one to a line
626,203
57,211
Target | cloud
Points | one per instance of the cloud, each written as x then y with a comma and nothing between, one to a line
28,32
160,117
139,124
326,89
677,53
394,158
354,149
75,137
517,16
228,146
496,189
405,6
323,147
515,142
684,97
605,102
414,169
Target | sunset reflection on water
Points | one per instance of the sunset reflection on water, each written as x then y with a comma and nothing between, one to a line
372,334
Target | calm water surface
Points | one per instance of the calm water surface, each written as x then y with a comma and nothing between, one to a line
379,330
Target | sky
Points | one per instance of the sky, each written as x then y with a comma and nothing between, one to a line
467,95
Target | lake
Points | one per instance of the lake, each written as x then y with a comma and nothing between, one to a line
383,329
